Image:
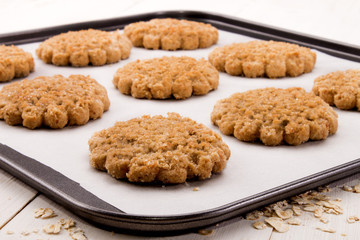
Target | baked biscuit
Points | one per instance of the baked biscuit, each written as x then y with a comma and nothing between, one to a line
162,78
168,149
341,88
81,48
14,62
263,59
171,34
54,101
275,116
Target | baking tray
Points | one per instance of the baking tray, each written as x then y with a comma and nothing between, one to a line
85,204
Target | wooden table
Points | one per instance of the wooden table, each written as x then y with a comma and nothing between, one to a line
330,19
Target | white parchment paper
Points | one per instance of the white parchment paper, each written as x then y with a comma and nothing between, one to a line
251,169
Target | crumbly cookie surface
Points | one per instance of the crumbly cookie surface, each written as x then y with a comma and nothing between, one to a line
168,149
14,62
171,34
341,88
53,102
166,77
275,116
263,59
85,47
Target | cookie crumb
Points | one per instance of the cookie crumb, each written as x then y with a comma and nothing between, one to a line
195,189
9,232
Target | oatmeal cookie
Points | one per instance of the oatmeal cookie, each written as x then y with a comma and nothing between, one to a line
263,58
81,48
162,78
275,116
14,62
168,149
341,88
54,101
171,34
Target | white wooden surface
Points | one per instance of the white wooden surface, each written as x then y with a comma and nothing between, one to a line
330,19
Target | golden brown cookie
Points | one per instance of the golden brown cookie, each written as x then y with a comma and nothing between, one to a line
14,62
275,116
168,149
263,59
162,78
171,34
85,47
341,88
54,101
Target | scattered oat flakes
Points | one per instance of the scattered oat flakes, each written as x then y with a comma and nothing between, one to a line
294,221
347,188
254,215
195,189
310,208
318,212
326,229
278,224
297,210
206,231
77,234
343,234
333,207
52,228
288,213
68,223
44,213
267,211
35,230
259,225
324,220
9,232
25,233
352,219
324,189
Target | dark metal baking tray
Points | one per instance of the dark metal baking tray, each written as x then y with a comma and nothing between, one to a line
72,196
